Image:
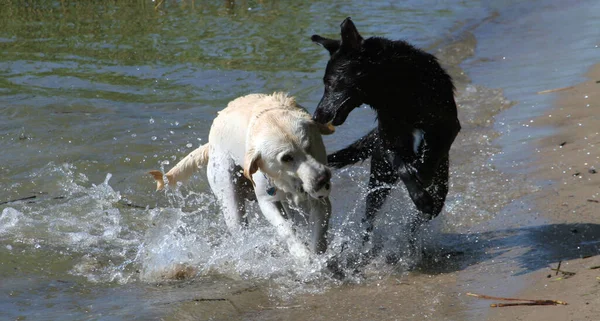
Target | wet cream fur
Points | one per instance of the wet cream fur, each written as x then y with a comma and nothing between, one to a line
250,136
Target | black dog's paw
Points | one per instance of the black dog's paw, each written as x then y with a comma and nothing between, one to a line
349,265
425,204
336,269
340,159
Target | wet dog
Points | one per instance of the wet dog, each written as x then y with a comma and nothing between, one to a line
279,149
413,97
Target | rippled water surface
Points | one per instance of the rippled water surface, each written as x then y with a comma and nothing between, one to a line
95,94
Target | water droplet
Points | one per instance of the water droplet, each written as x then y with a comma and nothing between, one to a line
151,121
153,137
127,159
133,135
188,145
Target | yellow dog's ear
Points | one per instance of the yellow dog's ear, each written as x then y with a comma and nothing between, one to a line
326,129
251,164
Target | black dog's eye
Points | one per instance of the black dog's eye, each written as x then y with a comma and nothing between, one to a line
287,158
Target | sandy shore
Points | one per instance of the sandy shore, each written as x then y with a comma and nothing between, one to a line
570,200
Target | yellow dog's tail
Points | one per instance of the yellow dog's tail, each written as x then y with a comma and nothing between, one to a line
184,169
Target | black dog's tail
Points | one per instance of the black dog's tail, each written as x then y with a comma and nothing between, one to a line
355,152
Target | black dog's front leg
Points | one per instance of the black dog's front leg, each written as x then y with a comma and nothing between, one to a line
355,152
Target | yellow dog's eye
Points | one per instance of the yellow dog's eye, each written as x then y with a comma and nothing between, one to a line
286,158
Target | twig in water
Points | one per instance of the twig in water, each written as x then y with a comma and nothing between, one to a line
558,268
209,299
18,199
129,204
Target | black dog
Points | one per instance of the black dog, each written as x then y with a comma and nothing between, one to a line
416,113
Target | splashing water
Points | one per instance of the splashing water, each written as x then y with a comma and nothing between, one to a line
111,242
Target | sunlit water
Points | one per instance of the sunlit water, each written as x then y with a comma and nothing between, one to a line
93,96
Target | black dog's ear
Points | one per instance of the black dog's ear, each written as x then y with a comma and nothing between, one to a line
331,45
350,36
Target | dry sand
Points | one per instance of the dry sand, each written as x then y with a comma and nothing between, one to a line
570,159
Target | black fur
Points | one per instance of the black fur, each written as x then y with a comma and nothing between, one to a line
412,95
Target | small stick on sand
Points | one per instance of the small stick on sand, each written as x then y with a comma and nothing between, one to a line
554,90
501,305
526,301
563,272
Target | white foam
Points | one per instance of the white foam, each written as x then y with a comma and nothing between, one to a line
9,219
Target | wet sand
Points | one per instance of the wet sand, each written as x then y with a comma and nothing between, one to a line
569,161
418,297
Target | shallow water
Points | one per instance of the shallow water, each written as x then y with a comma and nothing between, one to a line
95,95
